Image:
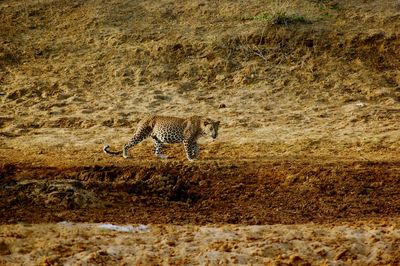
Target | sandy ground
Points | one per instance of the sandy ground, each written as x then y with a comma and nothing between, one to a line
361,243
306,166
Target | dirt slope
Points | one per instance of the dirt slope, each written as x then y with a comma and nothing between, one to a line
286,192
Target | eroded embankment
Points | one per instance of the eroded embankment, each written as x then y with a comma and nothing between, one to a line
207,192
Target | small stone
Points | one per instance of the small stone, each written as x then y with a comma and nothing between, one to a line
220,77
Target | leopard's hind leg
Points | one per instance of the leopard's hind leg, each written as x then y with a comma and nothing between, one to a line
158,148
140,135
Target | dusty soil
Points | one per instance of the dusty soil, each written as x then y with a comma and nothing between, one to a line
308,94
360,243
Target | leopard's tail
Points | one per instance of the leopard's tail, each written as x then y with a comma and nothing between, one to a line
106,149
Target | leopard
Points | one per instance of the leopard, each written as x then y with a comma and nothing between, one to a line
170,129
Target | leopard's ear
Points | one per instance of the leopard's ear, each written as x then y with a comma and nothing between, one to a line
217,122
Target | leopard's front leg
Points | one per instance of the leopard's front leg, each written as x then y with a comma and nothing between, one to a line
191,149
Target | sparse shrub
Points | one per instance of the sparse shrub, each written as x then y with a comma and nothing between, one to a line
285,19
280,13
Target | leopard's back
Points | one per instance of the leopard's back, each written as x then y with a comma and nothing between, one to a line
169,129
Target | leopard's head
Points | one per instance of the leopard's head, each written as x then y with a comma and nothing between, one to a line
210,127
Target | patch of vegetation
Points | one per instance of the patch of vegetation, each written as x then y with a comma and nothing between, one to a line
262,16
286,19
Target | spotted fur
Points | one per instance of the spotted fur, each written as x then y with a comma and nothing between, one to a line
167,129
